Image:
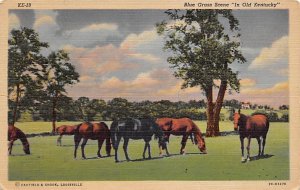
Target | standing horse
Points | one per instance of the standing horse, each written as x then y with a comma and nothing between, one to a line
184,127
255,126
14,134
93,131
135,129
64,130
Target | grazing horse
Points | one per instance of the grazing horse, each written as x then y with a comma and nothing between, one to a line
64,130
135,129
93,131
184,127
14,134
255,126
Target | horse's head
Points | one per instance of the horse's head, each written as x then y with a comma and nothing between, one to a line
201,146
164,123
26,148
236,120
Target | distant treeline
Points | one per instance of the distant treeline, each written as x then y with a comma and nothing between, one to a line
96,109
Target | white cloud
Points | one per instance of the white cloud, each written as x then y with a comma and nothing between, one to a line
276,88
44,21
270,55
134,40
97,27
14,21
247,82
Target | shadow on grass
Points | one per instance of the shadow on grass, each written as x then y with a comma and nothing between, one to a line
21,154
255,158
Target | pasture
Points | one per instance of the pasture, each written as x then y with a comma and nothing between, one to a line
51,162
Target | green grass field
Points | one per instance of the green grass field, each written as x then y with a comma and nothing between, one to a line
50,162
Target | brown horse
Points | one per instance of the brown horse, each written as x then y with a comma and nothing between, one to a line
64,130
255,126
14,134
182,127
93,131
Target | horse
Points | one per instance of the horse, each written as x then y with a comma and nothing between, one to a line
135,129
184,127
93,131
255,126
14,134
64,130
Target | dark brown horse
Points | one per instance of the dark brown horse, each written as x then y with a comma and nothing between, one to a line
64,130
93,131
182,127
14,134
255,126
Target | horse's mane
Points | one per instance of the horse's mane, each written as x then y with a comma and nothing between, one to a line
258,113
104,124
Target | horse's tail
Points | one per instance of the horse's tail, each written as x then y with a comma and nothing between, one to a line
107,139
113,132
77,127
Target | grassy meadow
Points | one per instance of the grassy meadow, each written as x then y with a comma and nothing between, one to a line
51,162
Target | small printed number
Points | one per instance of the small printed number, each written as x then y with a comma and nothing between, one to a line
24,4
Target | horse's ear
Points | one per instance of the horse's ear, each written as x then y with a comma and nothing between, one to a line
239,111
171,122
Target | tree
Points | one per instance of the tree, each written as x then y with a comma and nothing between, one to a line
119,108
24,67
58,73
202,52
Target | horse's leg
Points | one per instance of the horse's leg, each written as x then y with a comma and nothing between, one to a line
149,150
10,145
248,148
192,139
183,143
125,145
259,146
116,146
242,148
145,147
58,143
76,141
100,142
82,147
263,145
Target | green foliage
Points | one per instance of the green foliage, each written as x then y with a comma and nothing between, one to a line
285,117
201,48
25,63
35,82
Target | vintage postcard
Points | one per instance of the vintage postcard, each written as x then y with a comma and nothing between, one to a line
146,94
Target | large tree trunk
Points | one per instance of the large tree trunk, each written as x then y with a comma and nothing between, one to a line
210,112
214,109
54,113
218,107
16,105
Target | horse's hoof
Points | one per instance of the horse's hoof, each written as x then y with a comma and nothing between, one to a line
243,159
83,158
248,159
117,161
149,157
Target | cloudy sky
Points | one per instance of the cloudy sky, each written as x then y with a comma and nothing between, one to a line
118,53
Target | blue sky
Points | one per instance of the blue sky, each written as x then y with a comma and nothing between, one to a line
119,54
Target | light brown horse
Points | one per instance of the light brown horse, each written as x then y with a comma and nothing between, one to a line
14,134
182,127
93,131
255,126
64,130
